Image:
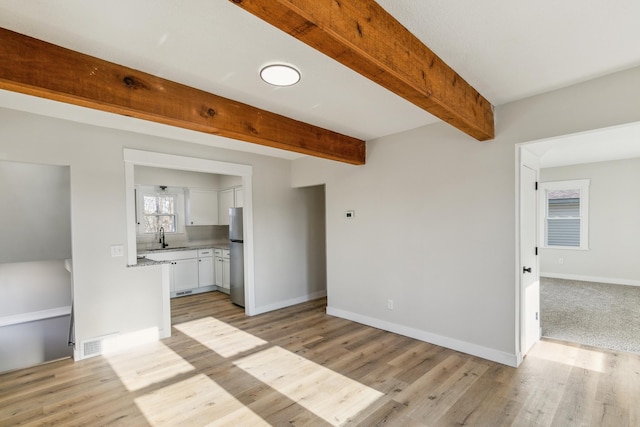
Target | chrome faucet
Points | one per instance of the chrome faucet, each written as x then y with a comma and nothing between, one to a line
164,245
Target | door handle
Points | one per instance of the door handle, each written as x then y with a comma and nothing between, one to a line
526,270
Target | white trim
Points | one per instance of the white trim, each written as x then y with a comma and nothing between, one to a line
195,164
523,157
169,161
34,316
290,302
451,343
609,280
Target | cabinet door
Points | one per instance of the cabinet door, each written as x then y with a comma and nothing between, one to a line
185,274
226,268
225,201
239,198
219,271
202,207
205,271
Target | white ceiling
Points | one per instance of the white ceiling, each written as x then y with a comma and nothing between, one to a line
507,50
614,143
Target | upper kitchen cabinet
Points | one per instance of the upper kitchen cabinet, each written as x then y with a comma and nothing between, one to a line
229,198
239,196
202,207
225,201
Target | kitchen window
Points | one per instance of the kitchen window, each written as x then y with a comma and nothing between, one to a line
159,212
565,214
157,207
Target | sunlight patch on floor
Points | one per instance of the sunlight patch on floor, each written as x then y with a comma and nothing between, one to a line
329,395
568,355
199,401
220,337
146,365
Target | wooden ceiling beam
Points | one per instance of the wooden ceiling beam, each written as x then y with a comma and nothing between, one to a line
38,68
361,35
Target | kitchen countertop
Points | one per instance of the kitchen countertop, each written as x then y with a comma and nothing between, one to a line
142,261
184,248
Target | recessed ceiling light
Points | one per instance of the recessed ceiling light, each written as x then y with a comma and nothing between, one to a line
280,75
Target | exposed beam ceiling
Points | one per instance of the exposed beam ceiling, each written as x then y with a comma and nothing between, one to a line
361,35
42,69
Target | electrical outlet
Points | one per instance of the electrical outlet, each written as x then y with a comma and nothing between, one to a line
560,261
349,214
117,250
390,304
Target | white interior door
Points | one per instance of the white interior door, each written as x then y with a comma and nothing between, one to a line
529,273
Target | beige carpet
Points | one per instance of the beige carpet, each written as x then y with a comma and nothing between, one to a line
597,314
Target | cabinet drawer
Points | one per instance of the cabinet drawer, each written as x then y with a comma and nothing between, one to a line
225,253
218,252
205,252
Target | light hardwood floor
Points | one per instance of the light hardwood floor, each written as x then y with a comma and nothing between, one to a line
298,366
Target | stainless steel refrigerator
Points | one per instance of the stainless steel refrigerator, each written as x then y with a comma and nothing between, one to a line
236,256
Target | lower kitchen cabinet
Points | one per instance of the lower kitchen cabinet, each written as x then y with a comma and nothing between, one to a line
223,279
195,271
184,274
226,279
206,276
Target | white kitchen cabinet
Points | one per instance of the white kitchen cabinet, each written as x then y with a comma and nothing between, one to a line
222,269
206,268
229,198
226,272
191,271
239,196
202,207
226,200
218,271
184,274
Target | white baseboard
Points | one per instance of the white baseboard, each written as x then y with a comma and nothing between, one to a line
609,280
287,303
454,344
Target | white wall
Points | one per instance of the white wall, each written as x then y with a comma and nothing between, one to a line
614,224
145,175
110,297
33,286
36,224
434,225
28,291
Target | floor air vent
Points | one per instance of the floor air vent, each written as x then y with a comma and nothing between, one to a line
91,348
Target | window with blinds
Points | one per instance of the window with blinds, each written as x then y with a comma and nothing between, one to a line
565,214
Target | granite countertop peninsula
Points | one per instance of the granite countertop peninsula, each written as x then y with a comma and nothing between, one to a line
219,245
143,261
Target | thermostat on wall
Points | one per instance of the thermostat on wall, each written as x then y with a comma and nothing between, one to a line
349,214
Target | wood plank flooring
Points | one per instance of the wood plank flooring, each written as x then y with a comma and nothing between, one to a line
298,366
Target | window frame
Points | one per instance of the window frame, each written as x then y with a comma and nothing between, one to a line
576,184
146,190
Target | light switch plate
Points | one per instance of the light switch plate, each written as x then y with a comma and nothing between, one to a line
117,250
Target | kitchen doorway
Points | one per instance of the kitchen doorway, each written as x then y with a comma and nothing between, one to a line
134,158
